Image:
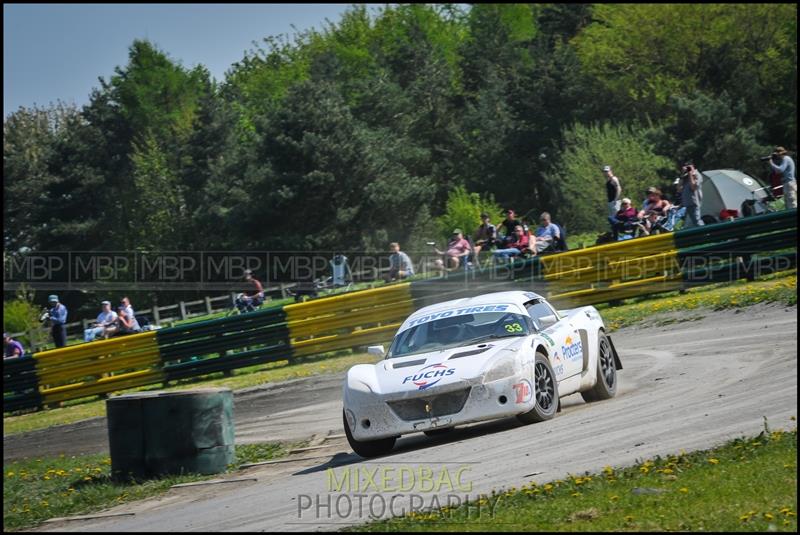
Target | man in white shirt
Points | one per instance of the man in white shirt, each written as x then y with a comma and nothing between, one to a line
106,318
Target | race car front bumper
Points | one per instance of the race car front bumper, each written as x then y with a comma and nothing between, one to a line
372,416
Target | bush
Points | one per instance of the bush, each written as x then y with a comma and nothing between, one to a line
463,210
578,179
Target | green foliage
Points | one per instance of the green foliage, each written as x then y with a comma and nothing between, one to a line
19,316
356,134
463,210
580,182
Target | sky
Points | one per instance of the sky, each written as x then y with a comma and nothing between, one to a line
57,52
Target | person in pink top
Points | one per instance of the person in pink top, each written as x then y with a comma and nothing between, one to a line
457,248
520,243
624,218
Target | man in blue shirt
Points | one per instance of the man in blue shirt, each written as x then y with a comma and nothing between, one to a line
58,320
782,164
546,234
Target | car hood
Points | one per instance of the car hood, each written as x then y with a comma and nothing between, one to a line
443,370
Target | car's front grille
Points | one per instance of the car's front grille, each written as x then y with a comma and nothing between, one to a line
428,407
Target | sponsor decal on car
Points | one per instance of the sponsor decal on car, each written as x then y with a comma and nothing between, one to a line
573,349
548,339
524,391
425,379
456,312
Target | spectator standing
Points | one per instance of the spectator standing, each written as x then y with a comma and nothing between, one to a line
485,235
57,314
457,248
400,265
105,319
546,233
11,348
690,189
613,191
518,244
783,165
508,225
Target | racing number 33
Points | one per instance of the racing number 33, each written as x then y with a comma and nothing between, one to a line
513,327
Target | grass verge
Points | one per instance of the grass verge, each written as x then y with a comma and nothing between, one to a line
37,489
749,484
252,376
779,288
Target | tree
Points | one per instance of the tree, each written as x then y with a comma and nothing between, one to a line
579,181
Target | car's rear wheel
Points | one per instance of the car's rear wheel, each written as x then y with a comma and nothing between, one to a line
606,385
367,448
545,392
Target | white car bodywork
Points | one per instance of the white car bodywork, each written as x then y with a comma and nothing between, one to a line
492,379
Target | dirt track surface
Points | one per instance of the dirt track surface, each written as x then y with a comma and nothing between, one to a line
278,412
687,385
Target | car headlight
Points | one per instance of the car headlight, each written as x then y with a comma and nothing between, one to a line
503,368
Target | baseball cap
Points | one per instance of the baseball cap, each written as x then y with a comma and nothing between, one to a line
484,215
626,201
651,189
457,231
105,302
606,168
52,298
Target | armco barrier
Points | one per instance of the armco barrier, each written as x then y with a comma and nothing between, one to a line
714,253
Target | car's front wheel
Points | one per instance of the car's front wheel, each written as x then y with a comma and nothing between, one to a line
606,385
367,448
545,391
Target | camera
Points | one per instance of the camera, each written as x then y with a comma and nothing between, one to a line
44,317
765,158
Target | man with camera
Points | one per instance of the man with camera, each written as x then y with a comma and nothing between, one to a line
783,165
690,189
57,315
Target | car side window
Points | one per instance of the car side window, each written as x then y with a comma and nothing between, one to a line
538,309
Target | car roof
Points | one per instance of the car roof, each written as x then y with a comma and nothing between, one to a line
517,297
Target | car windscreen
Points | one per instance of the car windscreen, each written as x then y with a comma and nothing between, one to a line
461,330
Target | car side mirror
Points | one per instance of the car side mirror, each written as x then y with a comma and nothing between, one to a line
378,351
547,321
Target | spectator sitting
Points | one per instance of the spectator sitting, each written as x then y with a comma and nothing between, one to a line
12,349
253,294
546,234
520,243
509,224
654,203
485,235
128,307
125,324
400,265
623,219
654,208
457,248
105,319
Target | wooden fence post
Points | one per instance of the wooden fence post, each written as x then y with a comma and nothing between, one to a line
208,305
156,316
182,306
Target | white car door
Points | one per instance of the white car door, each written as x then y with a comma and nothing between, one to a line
567,353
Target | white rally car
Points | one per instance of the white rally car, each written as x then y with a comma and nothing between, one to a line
493,356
